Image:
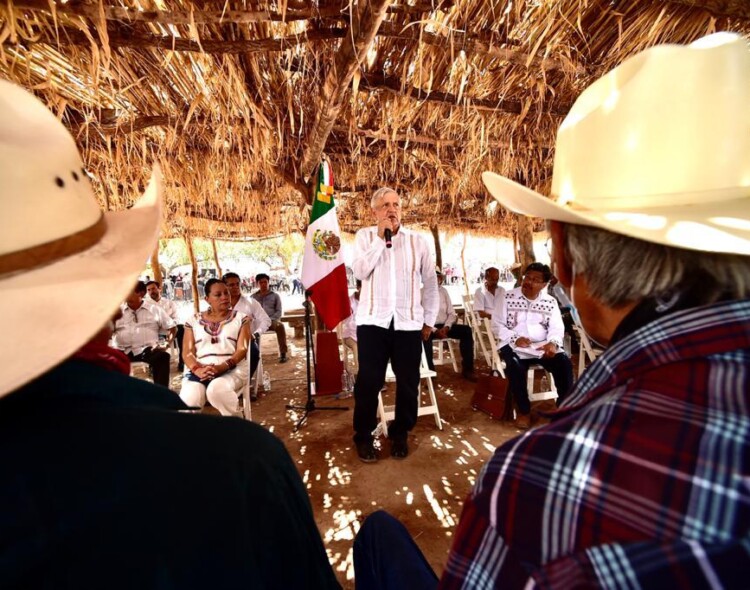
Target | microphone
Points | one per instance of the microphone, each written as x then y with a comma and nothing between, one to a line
387,234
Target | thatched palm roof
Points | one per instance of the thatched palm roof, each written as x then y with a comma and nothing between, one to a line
238,100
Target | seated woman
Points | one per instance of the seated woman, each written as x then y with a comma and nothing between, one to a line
215,352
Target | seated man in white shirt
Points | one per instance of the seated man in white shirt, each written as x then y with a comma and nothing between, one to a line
259,320
529,329
137,333
446,327
487,297
153,289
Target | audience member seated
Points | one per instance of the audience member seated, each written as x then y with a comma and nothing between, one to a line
446,327
486,297
104,483
153,289
271,303
641,479
137,333
259,320
215,347
529,330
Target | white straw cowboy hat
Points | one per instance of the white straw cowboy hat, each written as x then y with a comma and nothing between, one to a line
657,149
64,266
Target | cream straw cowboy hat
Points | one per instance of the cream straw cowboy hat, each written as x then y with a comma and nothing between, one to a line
657,149
64,266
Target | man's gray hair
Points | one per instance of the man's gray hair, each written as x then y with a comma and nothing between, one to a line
620,270
380,193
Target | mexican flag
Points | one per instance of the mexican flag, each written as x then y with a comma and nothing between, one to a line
323,271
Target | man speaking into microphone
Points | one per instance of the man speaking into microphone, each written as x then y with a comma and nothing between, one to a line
394,316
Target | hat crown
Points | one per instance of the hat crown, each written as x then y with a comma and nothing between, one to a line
46,193
668,127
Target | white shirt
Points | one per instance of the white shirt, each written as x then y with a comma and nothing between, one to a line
539,320
167,305
486,301
350,323
259,320
445,315
138,329
391,280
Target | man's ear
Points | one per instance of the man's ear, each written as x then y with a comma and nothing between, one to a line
562,268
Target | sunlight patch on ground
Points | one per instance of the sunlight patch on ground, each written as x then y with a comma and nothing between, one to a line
346,526
470,449
445,518
447,486
409,498
302,450
306,476
462,461
338,477
343,565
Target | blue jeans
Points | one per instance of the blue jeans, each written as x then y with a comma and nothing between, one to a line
387,558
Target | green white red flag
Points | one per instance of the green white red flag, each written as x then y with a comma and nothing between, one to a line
323,270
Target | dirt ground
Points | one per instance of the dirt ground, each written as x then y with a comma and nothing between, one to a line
425,491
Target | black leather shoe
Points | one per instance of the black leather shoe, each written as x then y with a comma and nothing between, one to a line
399,448
283,359
366,452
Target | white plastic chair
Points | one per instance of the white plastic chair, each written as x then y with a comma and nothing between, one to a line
447,352
587,349
479,330
386,413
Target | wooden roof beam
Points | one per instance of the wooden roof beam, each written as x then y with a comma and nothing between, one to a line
475,45
366,19
376,81
94,12
739,9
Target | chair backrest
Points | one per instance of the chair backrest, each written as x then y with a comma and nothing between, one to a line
497,362
588,351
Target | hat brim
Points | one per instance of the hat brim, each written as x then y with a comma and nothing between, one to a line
51,311
711,226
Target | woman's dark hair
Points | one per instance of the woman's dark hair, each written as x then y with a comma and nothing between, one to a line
210,283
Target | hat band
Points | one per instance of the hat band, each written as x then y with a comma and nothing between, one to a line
53,251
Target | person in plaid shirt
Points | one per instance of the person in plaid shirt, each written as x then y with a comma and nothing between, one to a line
642,478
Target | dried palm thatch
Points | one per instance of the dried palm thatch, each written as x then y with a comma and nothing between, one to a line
239,100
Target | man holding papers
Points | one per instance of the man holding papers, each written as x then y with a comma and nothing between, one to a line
529,330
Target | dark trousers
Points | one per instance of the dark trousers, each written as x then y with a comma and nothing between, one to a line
179,337
254,356
465,344
158,359
517,370
376,346
387,558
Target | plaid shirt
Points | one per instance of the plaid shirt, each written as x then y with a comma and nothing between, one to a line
641,480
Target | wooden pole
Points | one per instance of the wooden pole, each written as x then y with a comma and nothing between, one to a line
525,241
216,259
194,277
155,267
438,250
463,266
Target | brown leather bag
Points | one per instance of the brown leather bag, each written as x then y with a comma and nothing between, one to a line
491,396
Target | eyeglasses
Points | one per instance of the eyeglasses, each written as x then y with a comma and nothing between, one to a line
533,279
